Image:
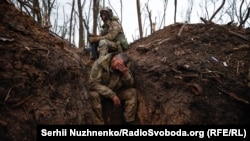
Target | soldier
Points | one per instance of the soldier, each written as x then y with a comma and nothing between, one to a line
112,37
110,77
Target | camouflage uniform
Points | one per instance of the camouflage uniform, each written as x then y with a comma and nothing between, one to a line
106,82
112,37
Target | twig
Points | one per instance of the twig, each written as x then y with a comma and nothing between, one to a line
8,95
237,69
234,96
182,27
224,76
222,4
240,48
145,47
22,101
239,35
204,20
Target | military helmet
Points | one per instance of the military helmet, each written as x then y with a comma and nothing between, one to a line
107,11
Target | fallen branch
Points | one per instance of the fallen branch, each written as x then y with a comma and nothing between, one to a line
239,35
146,47
224,76
22,101
234,96
8,95
182,27
240,48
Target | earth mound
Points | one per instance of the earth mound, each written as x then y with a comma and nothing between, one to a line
193,74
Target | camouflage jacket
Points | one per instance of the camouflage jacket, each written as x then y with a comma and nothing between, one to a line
107,81
112,30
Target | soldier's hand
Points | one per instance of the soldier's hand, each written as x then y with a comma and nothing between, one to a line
118,64
92,35
94,39
122,68
116,100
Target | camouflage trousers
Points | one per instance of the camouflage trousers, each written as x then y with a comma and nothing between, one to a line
128,96
106,46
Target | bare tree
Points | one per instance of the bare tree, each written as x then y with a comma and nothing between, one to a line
165,3
204,10
96,4
41,11
242,14
238,13
63,30
139,17
36,11
87,15
24,5
150,19
189,10
215,11
71,20
175,10
232,9
46,13
32,8
81,29
55,26
73,31
214,14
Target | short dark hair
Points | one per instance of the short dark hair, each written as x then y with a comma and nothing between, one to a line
124,57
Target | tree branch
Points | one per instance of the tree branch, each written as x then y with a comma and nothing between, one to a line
222,4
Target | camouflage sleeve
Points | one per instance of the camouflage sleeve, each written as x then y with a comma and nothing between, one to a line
113,31
102,90
95,82
127,79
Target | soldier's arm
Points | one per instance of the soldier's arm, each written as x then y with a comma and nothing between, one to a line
95,82
127,79
102,90
113,31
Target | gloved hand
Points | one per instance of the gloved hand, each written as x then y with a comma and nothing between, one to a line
94,39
